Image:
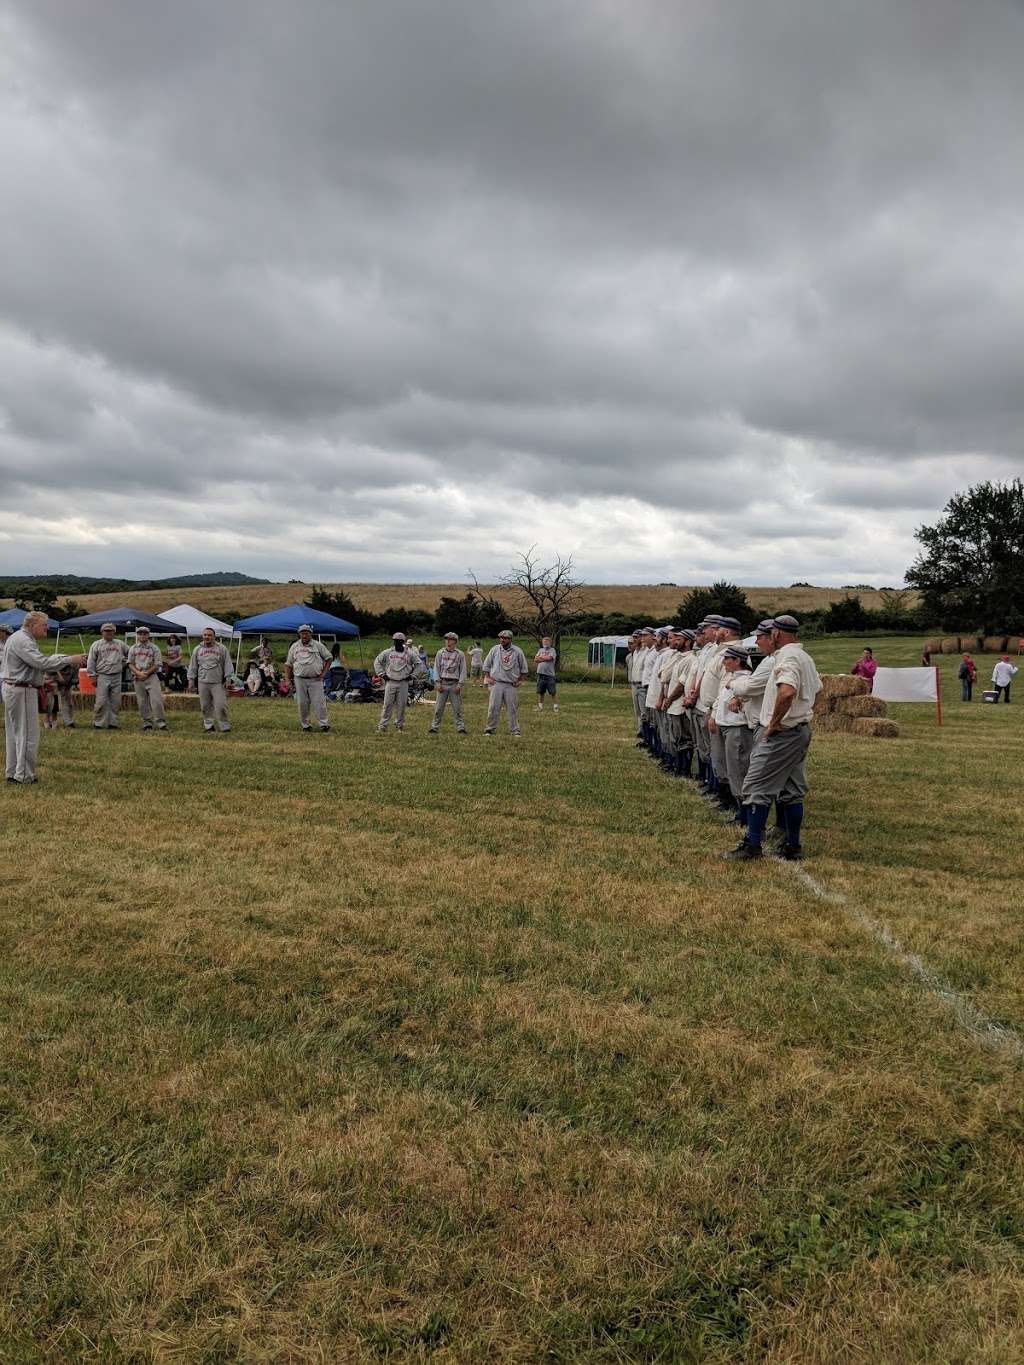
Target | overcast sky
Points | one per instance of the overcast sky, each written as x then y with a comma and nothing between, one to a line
336,289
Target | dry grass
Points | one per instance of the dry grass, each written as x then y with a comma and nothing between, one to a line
642,601
353,1048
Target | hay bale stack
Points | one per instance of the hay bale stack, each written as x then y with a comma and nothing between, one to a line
950,645
875,727
994,644
844,706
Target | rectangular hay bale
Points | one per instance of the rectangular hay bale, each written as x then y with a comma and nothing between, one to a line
875,727
861,706
843,685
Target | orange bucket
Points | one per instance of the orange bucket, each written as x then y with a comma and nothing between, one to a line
85,683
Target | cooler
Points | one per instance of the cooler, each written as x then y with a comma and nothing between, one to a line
85,684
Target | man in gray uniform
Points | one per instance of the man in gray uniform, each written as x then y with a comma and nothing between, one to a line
24,671
208,672
307,664
144,662
105,664
728,635
397,666
633,658
545,659
777,770
449,679
504,670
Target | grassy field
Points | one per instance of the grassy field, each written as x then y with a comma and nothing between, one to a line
644,601
354,1047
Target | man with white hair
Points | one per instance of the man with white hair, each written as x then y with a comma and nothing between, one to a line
397,666
504,670
105,665
449,679
208,672
24,670
144,660
306,666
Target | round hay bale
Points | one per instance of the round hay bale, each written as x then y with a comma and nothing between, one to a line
950,645
843,685
971,644
994,644
861,706
874,727
933,646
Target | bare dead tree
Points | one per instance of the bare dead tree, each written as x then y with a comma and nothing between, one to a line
545,598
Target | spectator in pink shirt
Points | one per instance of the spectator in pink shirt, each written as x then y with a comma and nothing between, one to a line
865,666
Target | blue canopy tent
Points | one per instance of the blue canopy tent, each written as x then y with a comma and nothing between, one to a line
125,618
286,621
14,616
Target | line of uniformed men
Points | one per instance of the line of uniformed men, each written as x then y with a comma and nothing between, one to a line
743,714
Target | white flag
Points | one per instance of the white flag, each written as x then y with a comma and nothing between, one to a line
905,684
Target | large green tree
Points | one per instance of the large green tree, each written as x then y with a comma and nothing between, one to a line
970,572
724,598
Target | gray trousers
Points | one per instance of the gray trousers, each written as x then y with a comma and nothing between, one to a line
638,704
59,703
661,720
739,740
777,769
503,694
676,735
213,702
108,701
151,700
396,695
447,694
716,745
310,692
701,737
21,732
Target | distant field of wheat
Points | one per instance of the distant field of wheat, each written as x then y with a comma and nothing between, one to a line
642,601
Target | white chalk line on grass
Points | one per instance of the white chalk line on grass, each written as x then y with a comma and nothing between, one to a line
997,1037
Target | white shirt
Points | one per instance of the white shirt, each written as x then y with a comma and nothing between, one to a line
681,674
1003,673
793,667
649,663
652,671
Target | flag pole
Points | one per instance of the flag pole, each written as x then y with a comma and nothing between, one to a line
938,696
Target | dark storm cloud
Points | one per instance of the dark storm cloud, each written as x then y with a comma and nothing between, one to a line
356,269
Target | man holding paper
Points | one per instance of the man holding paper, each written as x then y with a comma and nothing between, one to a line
1002,675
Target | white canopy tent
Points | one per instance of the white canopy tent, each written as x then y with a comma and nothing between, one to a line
607,649
193,621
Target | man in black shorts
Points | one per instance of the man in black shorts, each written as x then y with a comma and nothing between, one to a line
545,660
